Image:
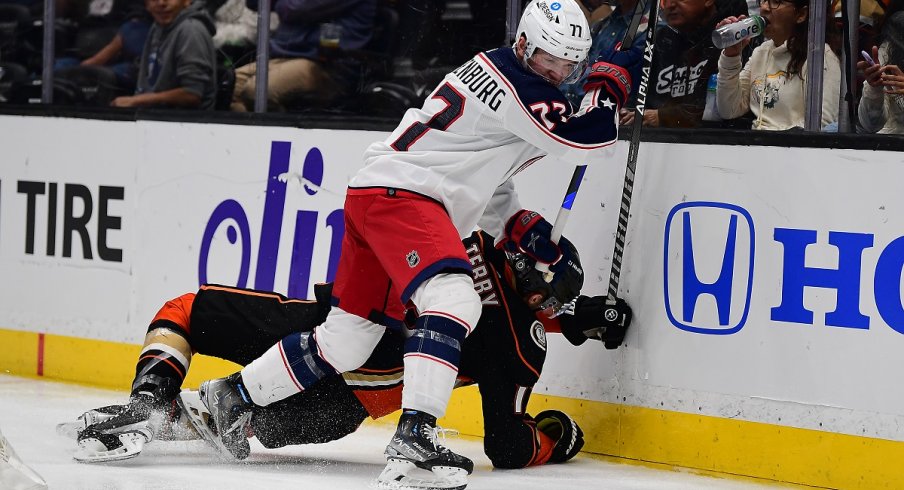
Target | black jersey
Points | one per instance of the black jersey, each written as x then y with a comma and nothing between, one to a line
504,357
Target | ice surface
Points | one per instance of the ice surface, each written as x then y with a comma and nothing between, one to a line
30,410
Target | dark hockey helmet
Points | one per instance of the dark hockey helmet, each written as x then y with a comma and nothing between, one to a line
556,295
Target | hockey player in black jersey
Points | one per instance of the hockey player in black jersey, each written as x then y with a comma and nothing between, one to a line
504,357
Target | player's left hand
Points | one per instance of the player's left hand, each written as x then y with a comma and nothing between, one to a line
595,319
616,320
564,430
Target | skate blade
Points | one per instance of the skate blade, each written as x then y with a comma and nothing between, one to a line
401,474
189,401
91,450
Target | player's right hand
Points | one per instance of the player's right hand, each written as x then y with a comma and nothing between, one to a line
568,263
612,81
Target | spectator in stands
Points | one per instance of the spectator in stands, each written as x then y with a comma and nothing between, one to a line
97,13
872,14
608,32
882,105
685,59
237,30
120,55
178,64
306,50
84,27
772,84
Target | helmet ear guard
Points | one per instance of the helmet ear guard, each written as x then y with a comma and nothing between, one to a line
559,28
557,294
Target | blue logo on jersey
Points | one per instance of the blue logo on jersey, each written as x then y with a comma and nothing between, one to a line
708,293
237,226
555,6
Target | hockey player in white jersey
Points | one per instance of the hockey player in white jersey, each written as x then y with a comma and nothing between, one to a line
445,170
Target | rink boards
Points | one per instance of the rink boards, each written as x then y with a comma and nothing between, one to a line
766,281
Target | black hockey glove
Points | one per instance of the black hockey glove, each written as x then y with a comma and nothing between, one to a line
562,429
528,232
608,81
594,319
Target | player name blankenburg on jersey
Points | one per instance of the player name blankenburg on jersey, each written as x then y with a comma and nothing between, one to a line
481,84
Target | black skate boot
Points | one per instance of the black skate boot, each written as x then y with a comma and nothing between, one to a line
414,446
72,429
220,411
120,432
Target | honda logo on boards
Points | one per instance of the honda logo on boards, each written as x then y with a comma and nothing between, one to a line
708,267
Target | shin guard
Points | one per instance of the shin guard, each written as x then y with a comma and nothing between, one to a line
287,368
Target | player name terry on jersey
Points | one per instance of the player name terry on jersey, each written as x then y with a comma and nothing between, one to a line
481,84
483,284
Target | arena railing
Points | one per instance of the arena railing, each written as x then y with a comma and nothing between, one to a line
810,137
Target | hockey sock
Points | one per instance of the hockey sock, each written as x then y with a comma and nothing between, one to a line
431,363
287,368
166,355
162,364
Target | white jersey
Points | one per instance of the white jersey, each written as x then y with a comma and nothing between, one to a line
486,121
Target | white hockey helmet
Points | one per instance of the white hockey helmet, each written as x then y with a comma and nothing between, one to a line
559,28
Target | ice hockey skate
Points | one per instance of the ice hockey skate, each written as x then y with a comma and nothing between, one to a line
71,430
117,432
413,448
220,411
